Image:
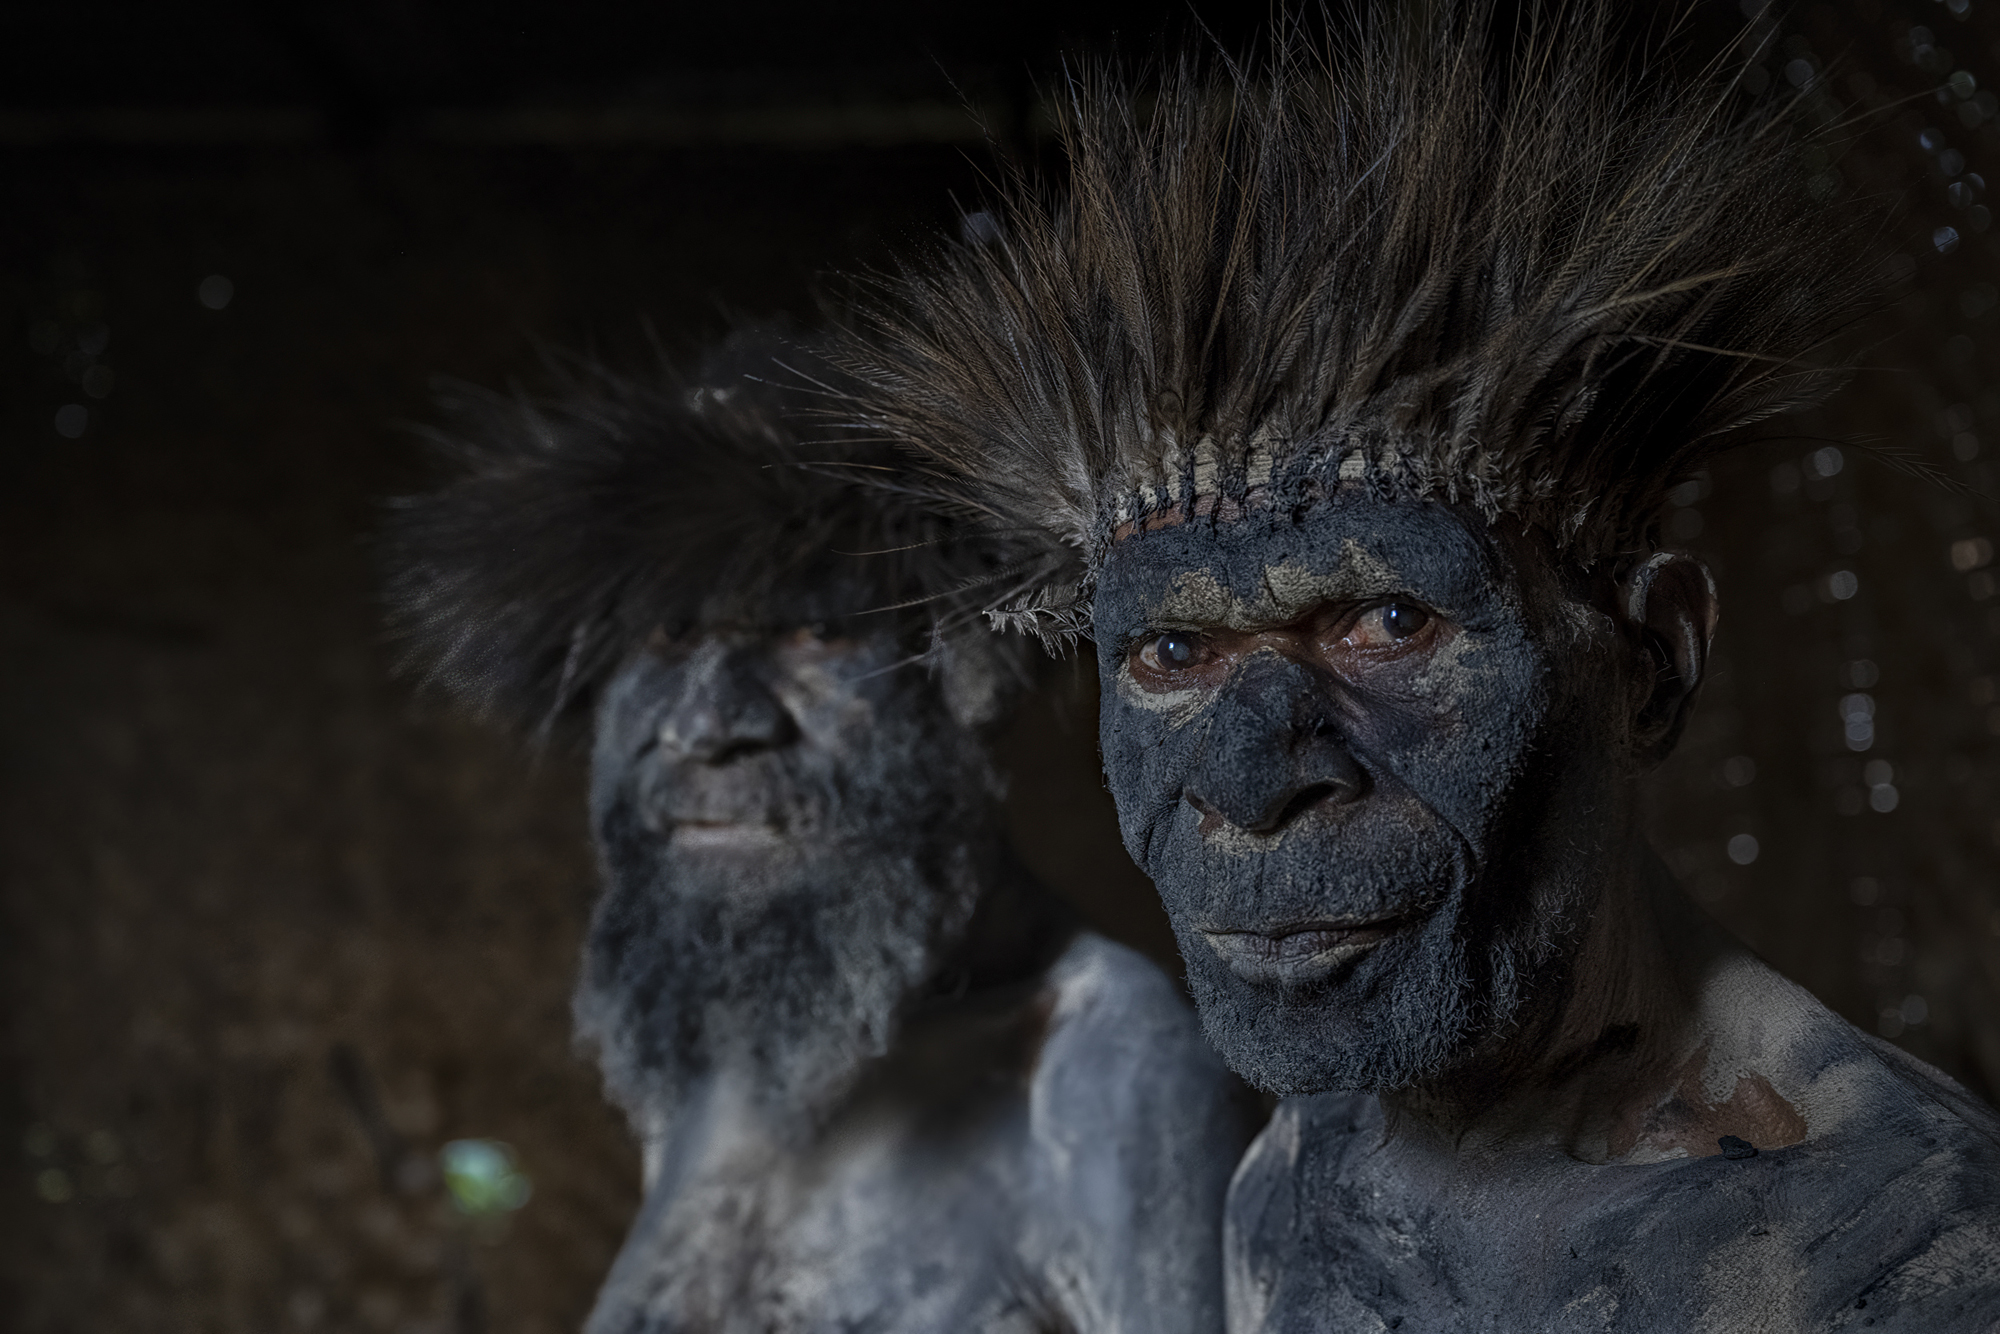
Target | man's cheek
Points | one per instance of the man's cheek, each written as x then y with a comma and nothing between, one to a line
1173,708
1460,743
1146,762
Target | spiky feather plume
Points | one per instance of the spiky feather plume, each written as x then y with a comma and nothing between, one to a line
577,525
1447,258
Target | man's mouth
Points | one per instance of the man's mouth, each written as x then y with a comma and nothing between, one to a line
740,835
1306,952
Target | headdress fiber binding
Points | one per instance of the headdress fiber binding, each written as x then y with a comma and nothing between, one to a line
1443,259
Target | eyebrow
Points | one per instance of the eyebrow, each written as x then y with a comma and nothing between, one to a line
1288,591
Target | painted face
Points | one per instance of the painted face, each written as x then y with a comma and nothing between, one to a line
784,819
765,749
1348,748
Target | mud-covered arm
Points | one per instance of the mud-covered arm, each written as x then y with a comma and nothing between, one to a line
1135,1128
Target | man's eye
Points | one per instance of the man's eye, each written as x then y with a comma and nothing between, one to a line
669,644
1174,652
1388,624
1402,620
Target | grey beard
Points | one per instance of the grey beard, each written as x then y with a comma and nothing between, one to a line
791,978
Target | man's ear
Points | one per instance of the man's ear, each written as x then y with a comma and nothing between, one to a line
1670,605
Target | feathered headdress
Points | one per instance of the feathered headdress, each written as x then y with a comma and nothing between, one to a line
579,524
1445,259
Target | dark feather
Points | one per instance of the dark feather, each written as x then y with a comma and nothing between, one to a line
578,524
1503,267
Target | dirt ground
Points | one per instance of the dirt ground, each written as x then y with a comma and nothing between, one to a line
274,932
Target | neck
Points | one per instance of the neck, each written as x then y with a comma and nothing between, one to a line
1611,1035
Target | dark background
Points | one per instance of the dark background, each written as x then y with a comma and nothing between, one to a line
274,931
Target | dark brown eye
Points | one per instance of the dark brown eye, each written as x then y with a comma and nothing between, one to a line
669,644
1386,625
1402,620
1175,651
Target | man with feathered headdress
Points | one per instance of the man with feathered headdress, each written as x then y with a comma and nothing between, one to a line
1344,393
881,1080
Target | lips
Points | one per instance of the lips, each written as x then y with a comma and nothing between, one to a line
707,809
725,834
1307,952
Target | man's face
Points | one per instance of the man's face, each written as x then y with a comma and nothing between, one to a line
769,749
1354,752
783,818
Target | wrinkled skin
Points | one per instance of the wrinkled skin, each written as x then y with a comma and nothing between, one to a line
1379,758
1308,794
881,1082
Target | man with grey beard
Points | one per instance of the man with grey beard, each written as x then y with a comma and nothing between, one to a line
881,1079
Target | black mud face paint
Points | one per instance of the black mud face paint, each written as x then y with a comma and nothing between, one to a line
784,823
1367,871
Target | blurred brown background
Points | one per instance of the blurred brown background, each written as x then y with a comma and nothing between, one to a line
274,932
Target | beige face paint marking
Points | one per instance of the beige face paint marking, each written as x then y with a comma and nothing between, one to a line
1176,706
1200,601
1446,673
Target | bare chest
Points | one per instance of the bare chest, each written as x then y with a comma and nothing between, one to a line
1330,1227
868,1234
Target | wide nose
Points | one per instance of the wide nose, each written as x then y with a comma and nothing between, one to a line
725,709
1271,749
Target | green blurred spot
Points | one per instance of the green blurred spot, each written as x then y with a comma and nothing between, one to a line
484,1178
53,1185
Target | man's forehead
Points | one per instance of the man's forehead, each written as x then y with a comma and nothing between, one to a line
1272,569
825,606
1283,593
767,630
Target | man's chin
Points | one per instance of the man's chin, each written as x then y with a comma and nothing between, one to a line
711,953
1334,1057
1357,1016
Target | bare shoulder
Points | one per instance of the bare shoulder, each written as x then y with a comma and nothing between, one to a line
1849,1088
1892,1195
1119,1030
1942,1099
1125,1073
1134,1128
1096,975
1919,1161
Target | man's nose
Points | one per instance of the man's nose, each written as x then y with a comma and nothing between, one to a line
1271,749
725,709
